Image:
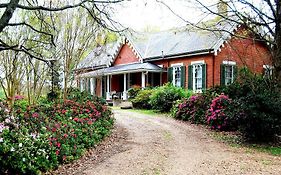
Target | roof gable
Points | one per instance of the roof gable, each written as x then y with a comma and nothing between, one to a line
126,55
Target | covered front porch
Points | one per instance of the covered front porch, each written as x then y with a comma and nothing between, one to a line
114,82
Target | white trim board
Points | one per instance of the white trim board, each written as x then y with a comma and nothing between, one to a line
229,62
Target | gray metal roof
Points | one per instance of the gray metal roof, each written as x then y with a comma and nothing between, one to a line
170,43
161,44
101,56
135,67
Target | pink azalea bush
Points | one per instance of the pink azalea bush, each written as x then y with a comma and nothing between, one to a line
192,109
38,138
219,115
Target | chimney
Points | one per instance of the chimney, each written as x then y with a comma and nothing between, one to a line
222,8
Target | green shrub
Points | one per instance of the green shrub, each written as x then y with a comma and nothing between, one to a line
133,92
261,120
78,96
163,97
141,101
256,104
38,138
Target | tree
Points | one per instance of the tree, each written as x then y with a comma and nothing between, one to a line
42,15
262,18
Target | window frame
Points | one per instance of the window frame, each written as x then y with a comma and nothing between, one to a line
194,82
177,67
232,65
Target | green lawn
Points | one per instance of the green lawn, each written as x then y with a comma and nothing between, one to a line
2,95
235,140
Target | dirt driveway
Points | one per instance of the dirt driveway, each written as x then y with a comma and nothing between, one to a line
160,145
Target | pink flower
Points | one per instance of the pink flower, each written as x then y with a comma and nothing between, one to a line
58,144
75,119
35,115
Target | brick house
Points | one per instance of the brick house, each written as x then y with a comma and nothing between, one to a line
190,59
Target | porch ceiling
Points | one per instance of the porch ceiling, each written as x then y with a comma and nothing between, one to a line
126,68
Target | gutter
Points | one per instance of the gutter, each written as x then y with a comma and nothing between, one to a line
180,55
90,68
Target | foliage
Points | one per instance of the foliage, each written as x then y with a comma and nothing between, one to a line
141,101
262,119
76,95
256,104
2,95
35,139
53,95
193,109
221,115
133,91
162,98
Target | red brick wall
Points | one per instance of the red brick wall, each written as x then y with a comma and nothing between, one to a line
125,56
245,52
187,61
98,87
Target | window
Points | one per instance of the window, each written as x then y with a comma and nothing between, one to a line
176,74
197,76
268,71
228,72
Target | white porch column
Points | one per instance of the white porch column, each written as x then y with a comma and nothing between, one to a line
81,84
108,87
101,84
143,80
125,87
93,86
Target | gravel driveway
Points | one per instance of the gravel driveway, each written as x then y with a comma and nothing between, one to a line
161,145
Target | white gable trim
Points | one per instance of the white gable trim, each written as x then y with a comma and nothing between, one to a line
224,39
136,52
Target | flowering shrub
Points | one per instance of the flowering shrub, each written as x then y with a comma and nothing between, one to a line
193,109
220,115
35,139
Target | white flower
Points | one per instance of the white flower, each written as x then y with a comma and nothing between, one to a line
1,140
12,149
12,117
47,157
33,135
7,120
20,145
23,159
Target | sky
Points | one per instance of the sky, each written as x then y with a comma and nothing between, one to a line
142,14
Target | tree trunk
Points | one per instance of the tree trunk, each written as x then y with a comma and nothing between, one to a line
276,54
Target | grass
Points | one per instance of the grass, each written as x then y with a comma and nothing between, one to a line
2,95
235,140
